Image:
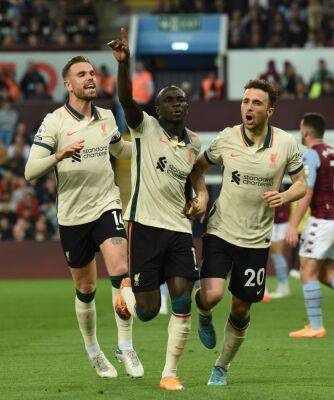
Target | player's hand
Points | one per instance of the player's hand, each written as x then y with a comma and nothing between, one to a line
120,47
291,236
197,207
68,151
274,199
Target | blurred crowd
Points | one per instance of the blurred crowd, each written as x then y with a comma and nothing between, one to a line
266,23
288,82
291,85
50,24
63,24
27,210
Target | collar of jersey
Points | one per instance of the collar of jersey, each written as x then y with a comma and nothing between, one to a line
171,135
79,117
267,141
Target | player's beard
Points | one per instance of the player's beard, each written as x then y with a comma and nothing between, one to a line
83,95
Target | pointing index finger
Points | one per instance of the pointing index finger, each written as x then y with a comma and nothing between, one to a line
124,36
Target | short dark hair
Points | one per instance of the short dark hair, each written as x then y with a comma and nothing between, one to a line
316,122
164,90
265,86
72,61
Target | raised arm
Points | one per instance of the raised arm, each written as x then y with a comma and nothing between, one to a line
132,110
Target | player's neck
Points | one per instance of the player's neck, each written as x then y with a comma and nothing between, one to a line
314,142
176,129
83,107
258,135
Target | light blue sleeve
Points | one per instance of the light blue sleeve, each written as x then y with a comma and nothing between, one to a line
311,163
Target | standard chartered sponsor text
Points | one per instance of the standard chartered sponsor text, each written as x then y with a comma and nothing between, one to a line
92,152
257,180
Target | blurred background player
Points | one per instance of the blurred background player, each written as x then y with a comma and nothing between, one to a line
281,224
161,247
164,297
75,140
317,240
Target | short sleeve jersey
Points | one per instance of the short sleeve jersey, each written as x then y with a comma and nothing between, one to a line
85,182
319,163
240,214
160,165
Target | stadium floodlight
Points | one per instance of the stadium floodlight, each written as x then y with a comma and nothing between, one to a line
180,46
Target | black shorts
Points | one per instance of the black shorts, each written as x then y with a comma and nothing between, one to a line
247,266
81,242
157,254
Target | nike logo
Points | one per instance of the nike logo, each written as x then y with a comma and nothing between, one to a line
259,291
70,133
119,228
235,154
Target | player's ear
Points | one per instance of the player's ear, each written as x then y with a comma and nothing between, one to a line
270,111
157,110
68,85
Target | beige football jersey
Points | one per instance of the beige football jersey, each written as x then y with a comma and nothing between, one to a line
160,165
240,215
85,182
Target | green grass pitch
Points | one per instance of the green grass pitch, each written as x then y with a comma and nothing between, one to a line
42,354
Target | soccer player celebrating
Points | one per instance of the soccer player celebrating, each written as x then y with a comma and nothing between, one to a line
317,240
160,241
75,140
255,156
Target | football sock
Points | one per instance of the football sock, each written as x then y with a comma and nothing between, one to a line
164,292
281,268
313,297
130,300
235,333
124,328
86,316
200,305
179,328
332,283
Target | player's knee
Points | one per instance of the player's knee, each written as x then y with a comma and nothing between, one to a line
147,310
85,297
146,314
240,309
308,274
181,305
86,287
211,297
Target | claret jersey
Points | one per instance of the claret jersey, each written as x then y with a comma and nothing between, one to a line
319,168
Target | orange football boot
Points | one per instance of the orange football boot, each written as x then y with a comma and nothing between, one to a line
171,383
120,307
308,332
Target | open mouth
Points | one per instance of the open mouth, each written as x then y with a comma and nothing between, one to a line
90,86
249,118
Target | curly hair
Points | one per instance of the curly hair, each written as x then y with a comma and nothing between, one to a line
265,86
